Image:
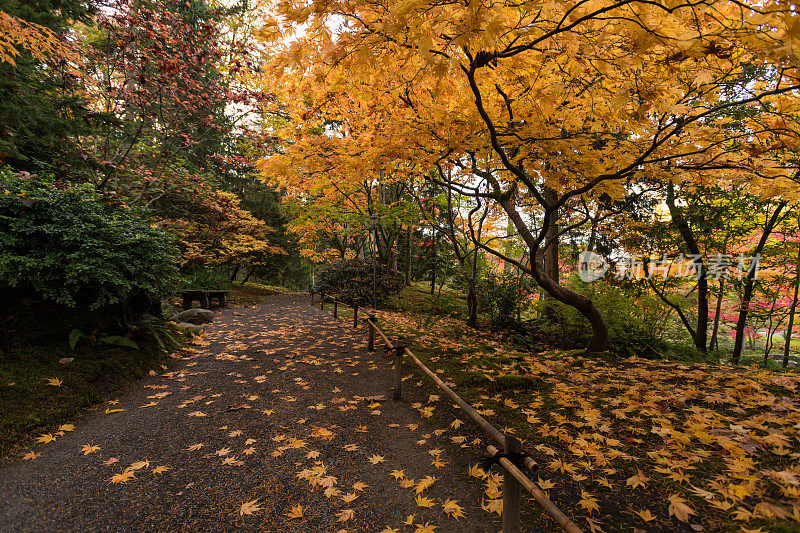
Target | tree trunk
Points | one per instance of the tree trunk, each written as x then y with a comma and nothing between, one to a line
592,236
750,283
551,267
581,303
433,264
472,295
700,336
408,255
788,341
236,268
714,343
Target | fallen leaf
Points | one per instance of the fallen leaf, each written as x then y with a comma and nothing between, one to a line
250,507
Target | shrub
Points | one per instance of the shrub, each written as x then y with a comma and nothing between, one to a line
205,278
501,295
351,280
73,246
637,321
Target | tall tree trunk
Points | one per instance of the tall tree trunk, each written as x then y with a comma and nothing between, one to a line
236,269
433,263
408,255
700,336
551,267
738,346
472,293
592,235
713,344
788,341
508,267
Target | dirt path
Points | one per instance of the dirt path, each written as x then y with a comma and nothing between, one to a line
286,403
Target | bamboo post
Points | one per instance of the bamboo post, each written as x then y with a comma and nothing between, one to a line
335,309
399,350
512,491
370,322
355,316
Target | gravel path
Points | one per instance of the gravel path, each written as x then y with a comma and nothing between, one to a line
281,405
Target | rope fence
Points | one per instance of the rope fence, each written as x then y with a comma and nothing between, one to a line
515,480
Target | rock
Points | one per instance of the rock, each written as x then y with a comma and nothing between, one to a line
191,327
194,316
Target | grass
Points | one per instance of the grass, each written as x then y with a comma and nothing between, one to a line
250,293
415,300
708,434
34,349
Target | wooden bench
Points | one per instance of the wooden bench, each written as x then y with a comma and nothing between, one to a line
204,297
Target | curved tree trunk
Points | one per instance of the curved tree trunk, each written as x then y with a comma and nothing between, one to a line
744,307
583,304
788,337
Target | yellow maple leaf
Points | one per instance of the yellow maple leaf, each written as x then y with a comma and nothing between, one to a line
494,505
45,438
250,507
423,501
89,448
30,456
545,484
427,527
638,480
588,502
409,521
452,508
375,459
295,513
122,477
645,515
345,515
679,509
55,382
425,483
138,465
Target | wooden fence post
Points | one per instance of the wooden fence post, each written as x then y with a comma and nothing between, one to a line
322,300
399,349
335,309
371,343
355,316
512,491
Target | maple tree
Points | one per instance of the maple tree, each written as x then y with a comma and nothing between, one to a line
545,109
17,34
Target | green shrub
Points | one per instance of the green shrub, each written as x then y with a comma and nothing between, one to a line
638,323
502,295
351,281
205,278
73,246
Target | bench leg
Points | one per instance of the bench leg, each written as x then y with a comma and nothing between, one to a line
204,302
187,302
222,301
